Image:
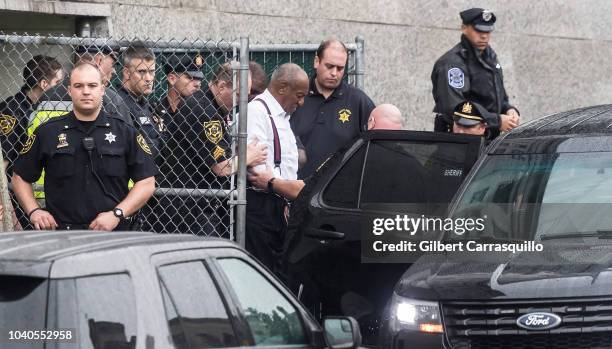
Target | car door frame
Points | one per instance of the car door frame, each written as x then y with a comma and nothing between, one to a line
312,330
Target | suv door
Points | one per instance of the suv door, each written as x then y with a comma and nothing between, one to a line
381,173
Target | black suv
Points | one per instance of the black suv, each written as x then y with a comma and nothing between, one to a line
93,290
381,172
549,181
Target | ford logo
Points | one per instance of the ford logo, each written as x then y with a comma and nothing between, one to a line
538,321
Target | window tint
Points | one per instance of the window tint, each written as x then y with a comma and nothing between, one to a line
343,190
22,306
272,319
412,172
196,314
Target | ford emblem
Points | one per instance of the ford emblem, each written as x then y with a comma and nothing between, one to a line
538,321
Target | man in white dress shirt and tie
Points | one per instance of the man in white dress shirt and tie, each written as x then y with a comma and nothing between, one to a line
268,121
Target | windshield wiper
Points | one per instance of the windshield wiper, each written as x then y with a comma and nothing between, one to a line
600,234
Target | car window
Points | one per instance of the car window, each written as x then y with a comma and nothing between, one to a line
272,319
343,190
412,172
196,314
22,306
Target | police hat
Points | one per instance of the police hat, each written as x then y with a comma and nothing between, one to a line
468,114
185,64
94,49
482,20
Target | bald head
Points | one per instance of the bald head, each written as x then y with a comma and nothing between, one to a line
289,85
386,117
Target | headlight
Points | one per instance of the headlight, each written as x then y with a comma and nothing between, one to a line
415,315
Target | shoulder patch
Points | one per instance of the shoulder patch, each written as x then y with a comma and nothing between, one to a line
456,78
7,124
143,144
28,144
213,130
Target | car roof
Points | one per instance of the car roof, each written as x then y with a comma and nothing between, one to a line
583,121
580,130
47,246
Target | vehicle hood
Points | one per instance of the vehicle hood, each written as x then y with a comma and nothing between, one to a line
560,270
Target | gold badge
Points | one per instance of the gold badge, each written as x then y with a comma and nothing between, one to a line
143,144
343,115
7,123
213,131
218,152
28,144
467,108
61,141
199,61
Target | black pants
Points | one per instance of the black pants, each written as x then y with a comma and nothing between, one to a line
441,124
265,228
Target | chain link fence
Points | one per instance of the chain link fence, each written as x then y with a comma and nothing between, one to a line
184,100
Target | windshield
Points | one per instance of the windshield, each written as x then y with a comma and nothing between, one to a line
527,196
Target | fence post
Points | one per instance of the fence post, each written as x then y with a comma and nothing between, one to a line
5,199
359,62
242,141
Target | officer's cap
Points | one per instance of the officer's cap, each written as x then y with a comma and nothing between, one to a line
94,49
482,20
185,63
468,114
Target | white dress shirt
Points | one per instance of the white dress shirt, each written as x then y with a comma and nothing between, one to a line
260,127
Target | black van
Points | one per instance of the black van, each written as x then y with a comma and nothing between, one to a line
548,181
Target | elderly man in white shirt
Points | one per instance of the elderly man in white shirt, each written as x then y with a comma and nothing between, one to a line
268,121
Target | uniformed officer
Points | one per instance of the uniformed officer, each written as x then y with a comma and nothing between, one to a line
333,112
40,74
88,157
468,119
138,77
203,153
268,122
471,71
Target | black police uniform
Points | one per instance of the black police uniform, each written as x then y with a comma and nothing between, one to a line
73,194
198,139
326,125
14,114
141,113
463,73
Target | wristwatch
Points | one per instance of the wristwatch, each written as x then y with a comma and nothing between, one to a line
271,185
118,213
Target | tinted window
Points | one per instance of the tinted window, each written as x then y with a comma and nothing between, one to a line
22,306
412,172
196,314
343,190
272,319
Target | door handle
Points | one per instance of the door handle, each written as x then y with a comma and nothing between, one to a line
324,234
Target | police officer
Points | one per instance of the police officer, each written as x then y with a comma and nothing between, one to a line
88,157
468,119
40,74
471,71
138,77
333,112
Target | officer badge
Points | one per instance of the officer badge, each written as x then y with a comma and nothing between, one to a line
467,108
62,141
143,144
344,115
456,78
199,61
218,152
7,123
28,144
110,137
487,15
213,131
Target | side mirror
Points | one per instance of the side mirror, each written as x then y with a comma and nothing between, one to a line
342,332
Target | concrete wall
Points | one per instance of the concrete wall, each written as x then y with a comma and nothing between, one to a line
554,52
